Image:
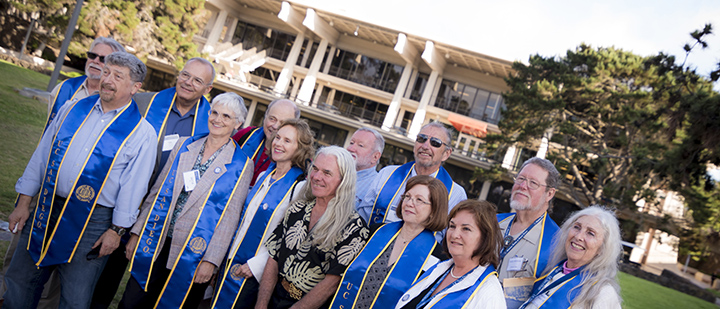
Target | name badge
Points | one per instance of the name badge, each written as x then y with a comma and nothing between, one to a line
517,263
191,179
169,142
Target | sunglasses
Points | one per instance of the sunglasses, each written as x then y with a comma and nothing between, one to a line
434,141
92,56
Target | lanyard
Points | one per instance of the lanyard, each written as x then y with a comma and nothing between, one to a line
506,248
548,284
427,297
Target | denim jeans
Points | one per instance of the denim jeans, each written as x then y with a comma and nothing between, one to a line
25,281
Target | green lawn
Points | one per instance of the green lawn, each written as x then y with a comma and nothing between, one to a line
642,294
21,123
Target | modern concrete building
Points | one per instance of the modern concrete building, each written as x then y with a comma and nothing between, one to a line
346,73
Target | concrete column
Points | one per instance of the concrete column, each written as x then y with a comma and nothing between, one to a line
413,78
306,55
394,107
509,157
331,97
318,93
216,31
308,85
328,63
542,150
485,190
287,72
251,113
295,88
419,118
231,30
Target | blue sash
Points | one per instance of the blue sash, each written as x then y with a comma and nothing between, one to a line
401,275
563,296
229,285
82,198
549,228
184,267
254,144
161,104
459,299
391,189
68,90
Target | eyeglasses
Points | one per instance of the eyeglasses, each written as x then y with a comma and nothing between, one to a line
92,56
197,82
532,184
225,117
434,141
415,200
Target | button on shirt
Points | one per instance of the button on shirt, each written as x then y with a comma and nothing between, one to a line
128,179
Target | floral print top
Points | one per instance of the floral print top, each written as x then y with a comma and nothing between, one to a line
302,263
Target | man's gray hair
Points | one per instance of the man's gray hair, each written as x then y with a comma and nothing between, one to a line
114,45
123,59
553,177
379,139
296,110
442,127
207,63
232,101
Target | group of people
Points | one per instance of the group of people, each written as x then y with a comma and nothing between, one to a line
171,188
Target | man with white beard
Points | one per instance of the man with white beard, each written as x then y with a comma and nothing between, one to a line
528,232
78,88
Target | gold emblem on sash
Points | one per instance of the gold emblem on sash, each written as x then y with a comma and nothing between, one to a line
85,193
233,270
197,245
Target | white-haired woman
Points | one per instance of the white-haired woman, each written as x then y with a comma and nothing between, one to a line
189,217
318,238
585,262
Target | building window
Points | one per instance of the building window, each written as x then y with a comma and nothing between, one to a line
367,71
276,44
469,101
394,155
365,110
419,87
158,80
326,134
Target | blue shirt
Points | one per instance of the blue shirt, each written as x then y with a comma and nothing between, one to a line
181,125
365,180
365,208
128,179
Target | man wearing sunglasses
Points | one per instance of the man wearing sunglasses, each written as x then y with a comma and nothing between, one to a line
527,233
72,89
83,86
174,113
432,148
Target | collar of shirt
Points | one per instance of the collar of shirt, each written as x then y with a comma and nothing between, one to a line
532,236
190,113
98,107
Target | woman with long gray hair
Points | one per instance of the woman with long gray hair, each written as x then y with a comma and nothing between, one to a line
319,236
584,264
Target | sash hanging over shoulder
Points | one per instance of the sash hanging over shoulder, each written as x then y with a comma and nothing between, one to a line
68,90
401,275
459,299
86,188
229,285
391,189
254,144
548,230
181,275
161,104
564,295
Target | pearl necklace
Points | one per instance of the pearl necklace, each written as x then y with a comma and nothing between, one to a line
452,274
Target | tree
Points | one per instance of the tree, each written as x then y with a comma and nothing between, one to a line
158,28
596,105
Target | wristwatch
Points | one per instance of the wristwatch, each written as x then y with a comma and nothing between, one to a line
119,230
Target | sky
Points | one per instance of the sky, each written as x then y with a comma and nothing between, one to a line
515,29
